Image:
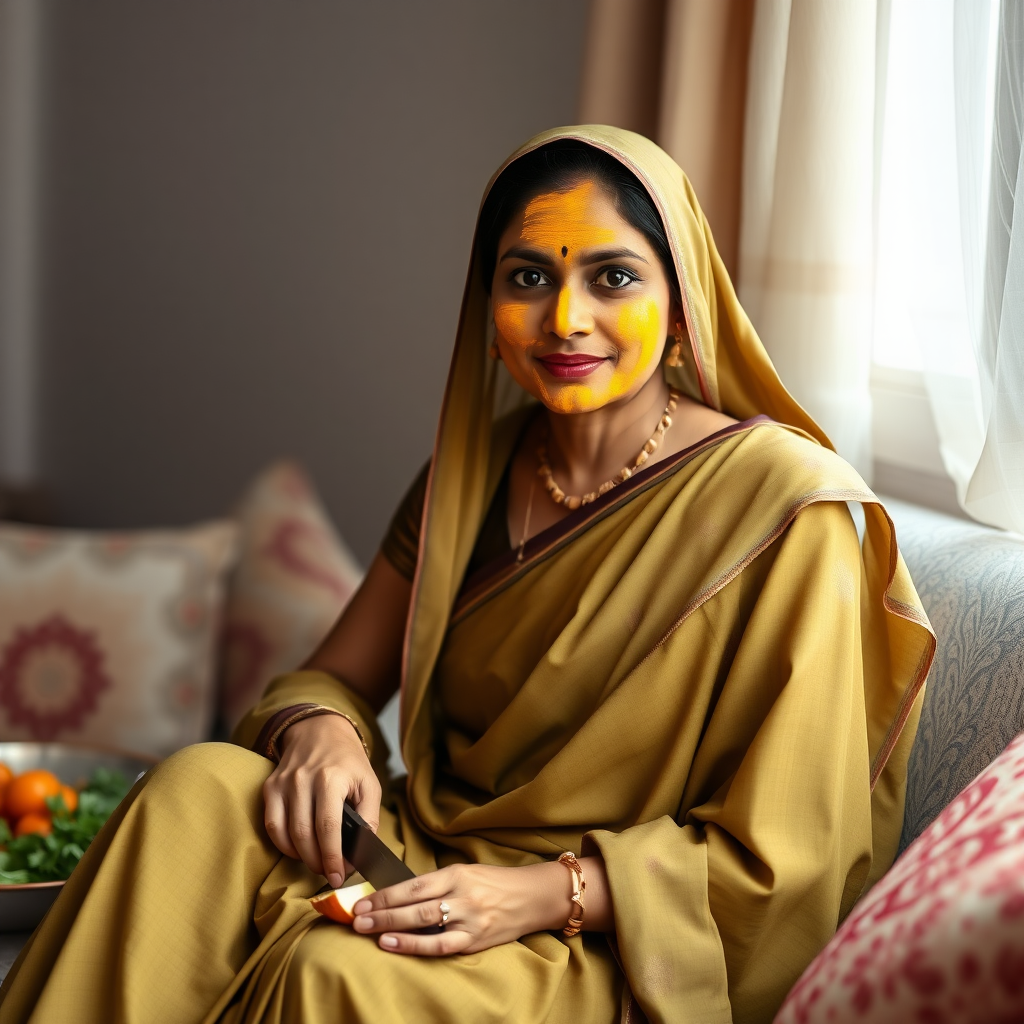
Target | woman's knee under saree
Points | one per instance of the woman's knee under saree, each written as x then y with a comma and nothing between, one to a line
705,676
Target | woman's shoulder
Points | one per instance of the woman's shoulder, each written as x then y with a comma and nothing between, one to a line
762,475
787,455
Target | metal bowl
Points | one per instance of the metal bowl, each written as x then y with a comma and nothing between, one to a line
22,906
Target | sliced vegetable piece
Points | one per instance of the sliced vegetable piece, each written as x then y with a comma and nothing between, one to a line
338,903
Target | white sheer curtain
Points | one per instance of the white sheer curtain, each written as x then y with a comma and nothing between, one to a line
949,293
995,491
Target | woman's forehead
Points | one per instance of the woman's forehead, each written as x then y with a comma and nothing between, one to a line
582,215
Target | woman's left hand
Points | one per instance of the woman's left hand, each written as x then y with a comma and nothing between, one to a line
488,905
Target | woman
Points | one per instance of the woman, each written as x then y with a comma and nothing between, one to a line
632,620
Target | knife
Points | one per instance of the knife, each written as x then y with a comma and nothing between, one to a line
368,854
371,858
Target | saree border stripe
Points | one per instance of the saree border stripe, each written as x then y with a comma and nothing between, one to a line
409,636
507,569
904,611
903,711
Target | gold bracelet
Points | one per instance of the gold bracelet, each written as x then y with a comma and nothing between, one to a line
579,887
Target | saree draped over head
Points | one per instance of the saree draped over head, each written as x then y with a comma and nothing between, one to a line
705,676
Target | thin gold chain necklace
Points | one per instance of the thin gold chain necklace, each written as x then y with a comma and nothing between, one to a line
574,501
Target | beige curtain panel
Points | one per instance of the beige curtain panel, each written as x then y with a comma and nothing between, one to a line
806,227
676,71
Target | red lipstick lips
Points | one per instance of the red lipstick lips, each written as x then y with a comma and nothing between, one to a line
570,365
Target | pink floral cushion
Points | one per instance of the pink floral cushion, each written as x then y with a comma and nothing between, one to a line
110,638
940,939
294,576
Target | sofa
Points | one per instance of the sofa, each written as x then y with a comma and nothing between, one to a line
971,580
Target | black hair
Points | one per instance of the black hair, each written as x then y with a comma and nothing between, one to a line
555,167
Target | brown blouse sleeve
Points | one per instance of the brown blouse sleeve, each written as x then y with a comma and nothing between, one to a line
402,541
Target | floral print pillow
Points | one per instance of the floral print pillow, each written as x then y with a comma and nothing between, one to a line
110,638
940,938
294,576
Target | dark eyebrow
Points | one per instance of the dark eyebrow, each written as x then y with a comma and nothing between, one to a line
603,255
518,252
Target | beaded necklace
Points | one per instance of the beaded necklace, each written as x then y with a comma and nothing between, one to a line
574,501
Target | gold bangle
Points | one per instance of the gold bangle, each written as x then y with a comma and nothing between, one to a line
579,887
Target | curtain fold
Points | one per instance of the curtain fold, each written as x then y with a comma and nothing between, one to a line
703,100
994,492
806,234
621,77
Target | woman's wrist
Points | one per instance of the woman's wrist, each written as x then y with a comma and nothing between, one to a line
545,895
328,721
545,891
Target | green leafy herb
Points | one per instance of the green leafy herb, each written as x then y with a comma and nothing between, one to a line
52,858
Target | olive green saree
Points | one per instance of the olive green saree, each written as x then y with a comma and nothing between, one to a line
704,676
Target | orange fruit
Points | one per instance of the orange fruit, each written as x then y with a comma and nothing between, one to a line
70,797
5,777
26,793
33,824
338,903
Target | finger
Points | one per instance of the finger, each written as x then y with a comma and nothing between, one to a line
329,799
401,919
275,819
435,885
365,800
443,944
301,828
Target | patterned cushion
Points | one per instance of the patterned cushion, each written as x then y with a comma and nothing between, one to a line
971,580
294,576
110,638
940,939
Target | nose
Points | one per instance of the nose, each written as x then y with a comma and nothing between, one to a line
569,314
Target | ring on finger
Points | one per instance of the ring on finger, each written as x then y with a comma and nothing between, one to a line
445,911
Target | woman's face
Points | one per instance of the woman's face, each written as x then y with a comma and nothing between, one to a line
581,302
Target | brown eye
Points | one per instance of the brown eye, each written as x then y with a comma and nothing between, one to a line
615,278
529,278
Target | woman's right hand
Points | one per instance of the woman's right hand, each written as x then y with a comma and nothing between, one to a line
322,765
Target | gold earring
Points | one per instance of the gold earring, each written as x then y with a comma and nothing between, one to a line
494,352
675,355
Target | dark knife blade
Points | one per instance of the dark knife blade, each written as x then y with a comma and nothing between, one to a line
371,858
368,855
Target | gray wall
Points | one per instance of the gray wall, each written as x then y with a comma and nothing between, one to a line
256,226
